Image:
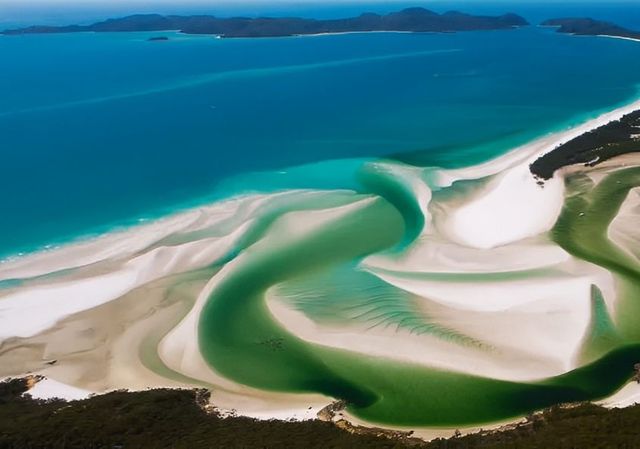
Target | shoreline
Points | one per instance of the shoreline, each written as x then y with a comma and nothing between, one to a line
148,260
513,195
43,388
444,177
618,37
408,19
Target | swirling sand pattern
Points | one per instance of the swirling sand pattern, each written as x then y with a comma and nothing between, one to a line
423,297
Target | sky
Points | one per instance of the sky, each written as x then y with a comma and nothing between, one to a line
213,3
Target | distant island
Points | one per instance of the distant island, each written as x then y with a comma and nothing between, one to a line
591,27
408,20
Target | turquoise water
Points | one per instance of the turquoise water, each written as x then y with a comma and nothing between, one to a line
242,340
102,130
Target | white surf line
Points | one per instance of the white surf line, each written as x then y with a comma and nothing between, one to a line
340,33
619,37
231,74
536,148
590,35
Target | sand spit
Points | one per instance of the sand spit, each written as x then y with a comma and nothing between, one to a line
513,205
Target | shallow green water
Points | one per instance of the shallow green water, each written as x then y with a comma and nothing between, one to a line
582,231
241,340
315,114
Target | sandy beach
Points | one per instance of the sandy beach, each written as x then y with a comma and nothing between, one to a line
619,37
123,310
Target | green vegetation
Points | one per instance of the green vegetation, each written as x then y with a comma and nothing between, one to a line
593,147
179,419
153,419
586,426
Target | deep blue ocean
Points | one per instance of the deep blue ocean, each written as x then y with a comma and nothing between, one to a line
102,130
